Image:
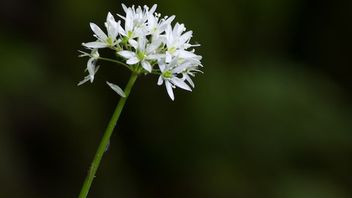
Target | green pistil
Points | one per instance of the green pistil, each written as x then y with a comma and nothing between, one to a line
124,40
129,34
140,55
167,74
109,41
172,50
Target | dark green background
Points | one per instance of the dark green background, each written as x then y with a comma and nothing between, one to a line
269,118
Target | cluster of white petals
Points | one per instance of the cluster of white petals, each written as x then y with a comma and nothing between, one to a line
146,43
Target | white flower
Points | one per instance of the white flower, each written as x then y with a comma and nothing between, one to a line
169,72
135,25
177,42
91,68
155,26
104,40
190,71
144,53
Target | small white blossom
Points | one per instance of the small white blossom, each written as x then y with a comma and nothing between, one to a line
169,75
104,40
135,22
177,42
155,26
144,52
91,68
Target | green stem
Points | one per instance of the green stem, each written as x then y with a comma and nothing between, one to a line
114,61
106,138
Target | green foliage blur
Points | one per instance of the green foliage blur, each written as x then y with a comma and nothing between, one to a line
269,118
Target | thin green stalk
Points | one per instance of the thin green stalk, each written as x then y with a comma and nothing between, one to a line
115,61
106,138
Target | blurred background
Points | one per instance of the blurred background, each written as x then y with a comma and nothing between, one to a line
269,118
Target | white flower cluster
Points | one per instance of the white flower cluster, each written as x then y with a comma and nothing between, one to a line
148,44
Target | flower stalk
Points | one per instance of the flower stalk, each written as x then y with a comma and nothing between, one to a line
106,138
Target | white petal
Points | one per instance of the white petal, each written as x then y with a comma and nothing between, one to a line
185,37
189,80
167,22
160,80
91,67
120,29
124,7
178,29
122,17
153,46
152,10
132,61
168,34
129,21
181,84
182,67
155,56
133,43
168,57
146,65
173,62
86,79
112,26
162,66
142,41
98,32
117,89
126,54
169,90
110,18
186,54
152,22
139,32
95,45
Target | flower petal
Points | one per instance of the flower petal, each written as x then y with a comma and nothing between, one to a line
165,23
169,90
189,80
117,89
98,32
132,61
186,54
126,54
124,7
95,45
181,84
142,41
162,66
146,65
152,10
112,26
133,43
86,79
154,45
160,80
91,68
168,57
129,21
185,37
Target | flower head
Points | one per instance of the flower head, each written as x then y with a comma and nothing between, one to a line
147,43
